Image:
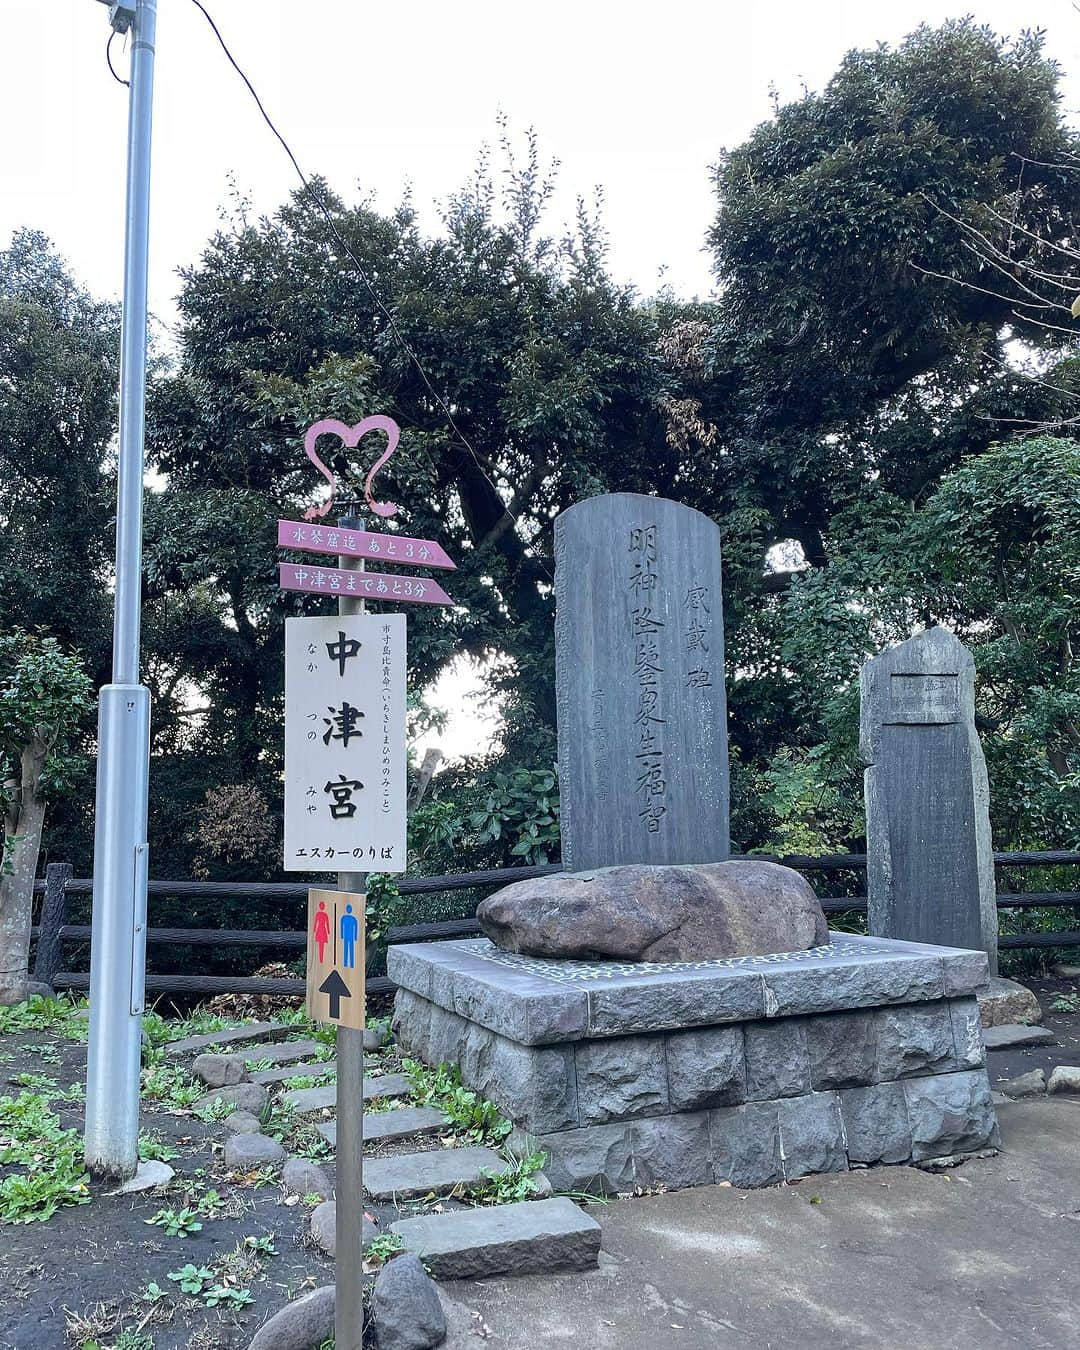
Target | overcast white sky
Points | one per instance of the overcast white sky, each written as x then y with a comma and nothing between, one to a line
636,97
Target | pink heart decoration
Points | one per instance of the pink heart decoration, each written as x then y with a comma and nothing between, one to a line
351,437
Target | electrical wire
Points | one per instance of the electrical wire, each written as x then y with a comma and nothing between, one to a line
402,341
108,59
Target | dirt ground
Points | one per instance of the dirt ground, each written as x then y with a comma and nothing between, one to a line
95,1261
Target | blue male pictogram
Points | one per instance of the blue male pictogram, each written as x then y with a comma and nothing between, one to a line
350,928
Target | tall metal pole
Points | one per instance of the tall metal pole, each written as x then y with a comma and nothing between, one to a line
349,1209
118,945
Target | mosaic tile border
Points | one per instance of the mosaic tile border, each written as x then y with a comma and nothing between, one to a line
574,972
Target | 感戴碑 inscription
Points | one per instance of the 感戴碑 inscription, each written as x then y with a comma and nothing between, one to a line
640,678
923,700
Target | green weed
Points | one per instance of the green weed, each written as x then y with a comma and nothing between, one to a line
177,1222
517,1182
192,1279
46,1051
220,1295
382,1247
215,1110
44,1014
467,1113
170,1087
153,1148
37,1082
48,1161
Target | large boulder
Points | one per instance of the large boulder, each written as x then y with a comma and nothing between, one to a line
641,913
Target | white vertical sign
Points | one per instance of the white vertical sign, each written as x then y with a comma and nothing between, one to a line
345,743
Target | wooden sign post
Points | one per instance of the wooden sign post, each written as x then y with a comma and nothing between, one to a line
335,958
345,804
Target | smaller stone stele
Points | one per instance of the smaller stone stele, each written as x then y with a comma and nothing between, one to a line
645,913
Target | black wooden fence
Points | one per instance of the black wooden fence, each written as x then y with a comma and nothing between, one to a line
54,932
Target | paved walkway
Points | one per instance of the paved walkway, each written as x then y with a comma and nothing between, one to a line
983,1256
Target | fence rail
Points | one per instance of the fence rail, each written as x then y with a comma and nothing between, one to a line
54,932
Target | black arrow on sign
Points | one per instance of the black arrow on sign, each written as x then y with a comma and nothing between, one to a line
335,988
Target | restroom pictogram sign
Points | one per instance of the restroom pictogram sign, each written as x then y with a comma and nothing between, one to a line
335,958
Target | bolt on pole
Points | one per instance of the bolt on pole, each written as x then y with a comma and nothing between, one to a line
349,1212
118,943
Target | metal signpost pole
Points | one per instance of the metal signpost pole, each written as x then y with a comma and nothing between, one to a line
349,1211
118,945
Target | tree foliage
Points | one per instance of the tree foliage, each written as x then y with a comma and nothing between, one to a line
58,379
44,697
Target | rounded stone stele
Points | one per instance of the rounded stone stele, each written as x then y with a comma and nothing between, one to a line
643,913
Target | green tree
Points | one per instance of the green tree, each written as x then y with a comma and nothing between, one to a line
44,696
994,555
857,353
58,378
552,374
848,286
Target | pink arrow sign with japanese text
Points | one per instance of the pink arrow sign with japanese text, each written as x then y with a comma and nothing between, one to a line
364,585
398,548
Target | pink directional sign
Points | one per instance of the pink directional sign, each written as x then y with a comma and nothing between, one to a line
398,548
364,585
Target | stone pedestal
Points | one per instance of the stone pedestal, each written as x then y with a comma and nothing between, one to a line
752,1070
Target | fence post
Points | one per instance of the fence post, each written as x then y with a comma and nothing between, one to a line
53,918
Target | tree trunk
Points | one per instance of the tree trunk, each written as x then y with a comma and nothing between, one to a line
24,823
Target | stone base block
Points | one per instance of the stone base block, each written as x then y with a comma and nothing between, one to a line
872,1052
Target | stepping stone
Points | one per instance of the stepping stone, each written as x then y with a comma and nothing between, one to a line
391,1125
254,1031
284,1053
531,1237
410,1175
287,1071
305,1101
389,1085
1011,1037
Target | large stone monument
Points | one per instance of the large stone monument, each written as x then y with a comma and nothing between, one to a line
930,861
639,668
662,1058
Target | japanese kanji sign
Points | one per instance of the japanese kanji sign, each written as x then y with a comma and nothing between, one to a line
345,743
400,549
364,585
335,958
